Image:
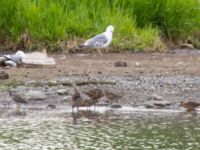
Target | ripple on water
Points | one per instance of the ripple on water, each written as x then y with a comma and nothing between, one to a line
58,130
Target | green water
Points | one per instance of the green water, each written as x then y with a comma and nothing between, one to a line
93,131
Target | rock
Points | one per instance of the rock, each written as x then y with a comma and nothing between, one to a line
155,97
102,104
156,104
62,91
99,72
3,75
51,106
120,64
137,64
35,95
67,98
162,103
115,105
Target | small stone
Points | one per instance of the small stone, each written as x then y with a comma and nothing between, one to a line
116,106
137,64
162,103
3,75
156,97
62,91
51,106
102,104
67,98
120,64
149,106
99,72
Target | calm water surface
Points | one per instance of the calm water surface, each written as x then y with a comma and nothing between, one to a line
89,130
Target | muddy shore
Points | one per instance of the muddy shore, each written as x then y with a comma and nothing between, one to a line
157,80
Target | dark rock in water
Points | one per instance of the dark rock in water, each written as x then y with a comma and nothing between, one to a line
51,106
102,104
3,75
120,64
116,106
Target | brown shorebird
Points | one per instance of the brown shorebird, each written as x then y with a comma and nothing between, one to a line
87,103
189,105
76,100
18,99
112,96
94,94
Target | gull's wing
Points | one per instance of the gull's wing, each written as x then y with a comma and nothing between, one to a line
97,41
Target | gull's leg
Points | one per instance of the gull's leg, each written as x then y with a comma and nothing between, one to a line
106,50
77,108
94,53
99,51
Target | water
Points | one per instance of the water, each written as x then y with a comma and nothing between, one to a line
89,130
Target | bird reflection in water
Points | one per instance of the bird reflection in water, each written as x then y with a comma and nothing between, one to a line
90,116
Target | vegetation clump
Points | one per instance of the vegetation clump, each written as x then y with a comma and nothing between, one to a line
139,24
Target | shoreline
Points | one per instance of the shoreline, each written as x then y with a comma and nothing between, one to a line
160,78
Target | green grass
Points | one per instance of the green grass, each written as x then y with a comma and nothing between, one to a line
139,24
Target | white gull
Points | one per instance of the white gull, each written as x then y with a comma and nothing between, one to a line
101,40
17,57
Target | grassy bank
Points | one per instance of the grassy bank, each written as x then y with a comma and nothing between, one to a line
139,24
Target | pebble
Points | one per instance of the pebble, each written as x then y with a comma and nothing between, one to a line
156,97
121,64
115,105
62,91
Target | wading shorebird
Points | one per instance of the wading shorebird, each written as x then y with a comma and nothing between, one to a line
94,94
76,100
99,41
112,97
189,105
18,99
87,103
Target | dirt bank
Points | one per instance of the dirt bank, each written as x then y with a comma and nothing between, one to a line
167,78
